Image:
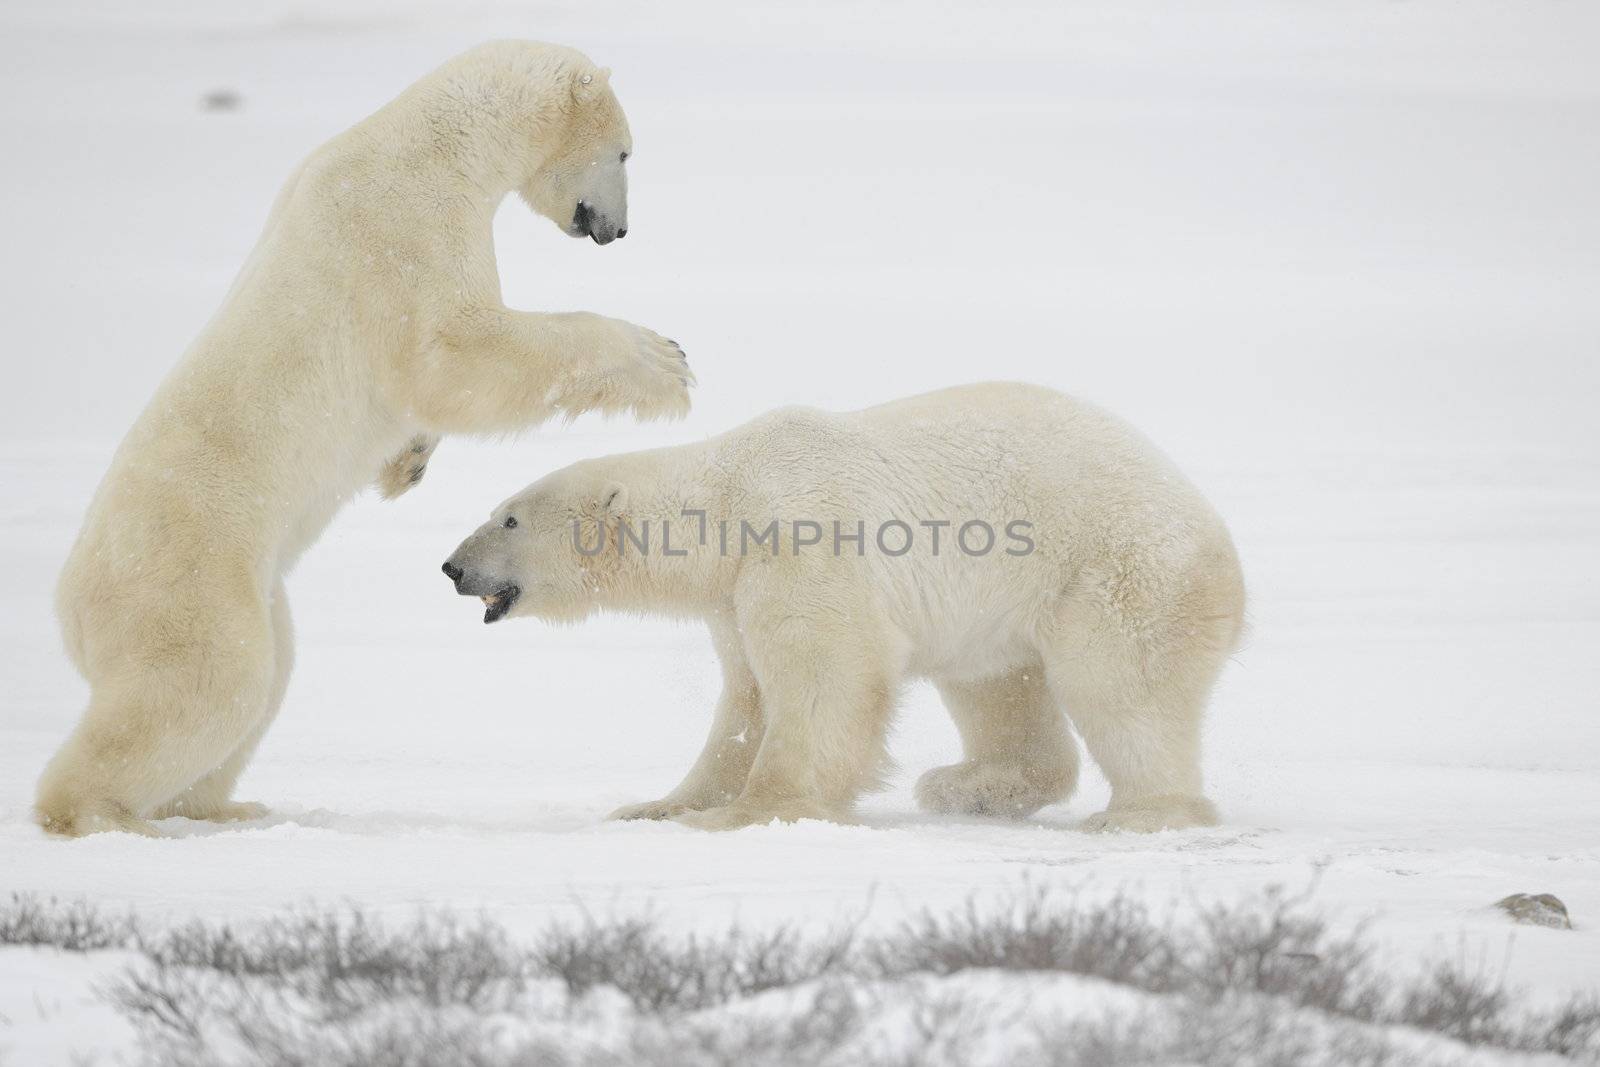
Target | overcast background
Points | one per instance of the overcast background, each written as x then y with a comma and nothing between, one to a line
1340,260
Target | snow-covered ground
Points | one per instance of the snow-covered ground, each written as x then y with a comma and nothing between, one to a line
1340,260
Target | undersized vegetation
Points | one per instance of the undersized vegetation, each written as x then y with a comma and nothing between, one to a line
1035,980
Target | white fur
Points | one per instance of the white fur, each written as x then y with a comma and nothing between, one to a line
366,323
1118,621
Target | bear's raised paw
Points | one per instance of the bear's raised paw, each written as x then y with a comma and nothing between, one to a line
406,468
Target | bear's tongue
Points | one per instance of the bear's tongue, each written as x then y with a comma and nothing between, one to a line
495,605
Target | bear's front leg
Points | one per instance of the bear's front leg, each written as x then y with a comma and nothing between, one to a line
493,370
624,367
406,468
719,775
827,676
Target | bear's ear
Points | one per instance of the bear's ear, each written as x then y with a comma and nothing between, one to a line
589,82
614,499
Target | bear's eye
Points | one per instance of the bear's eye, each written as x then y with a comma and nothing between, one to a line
510,523
624,157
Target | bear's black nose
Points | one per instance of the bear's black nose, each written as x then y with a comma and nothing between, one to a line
452,572
622,233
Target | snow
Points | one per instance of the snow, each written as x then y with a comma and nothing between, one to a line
1340,261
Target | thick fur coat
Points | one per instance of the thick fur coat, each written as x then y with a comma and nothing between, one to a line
835,555
367,322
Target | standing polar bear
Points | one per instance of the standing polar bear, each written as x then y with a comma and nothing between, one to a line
1035,557
367,322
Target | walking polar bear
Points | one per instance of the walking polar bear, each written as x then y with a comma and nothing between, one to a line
367,322
1035,557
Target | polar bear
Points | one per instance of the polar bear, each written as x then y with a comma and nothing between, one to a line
1033,556
367,322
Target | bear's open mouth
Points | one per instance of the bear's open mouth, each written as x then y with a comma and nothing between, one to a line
497,604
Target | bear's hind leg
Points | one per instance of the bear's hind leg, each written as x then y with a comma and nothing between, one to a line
152,731
1139,711
1019,753
211,798
65,815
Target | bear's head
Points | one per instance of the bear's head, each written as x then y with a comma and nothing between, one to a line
581,182
537,554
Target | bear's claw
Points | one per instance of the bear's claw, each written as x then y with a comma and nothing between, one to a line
1148,817
988,789
654,810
